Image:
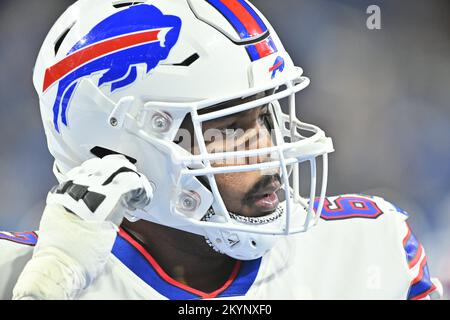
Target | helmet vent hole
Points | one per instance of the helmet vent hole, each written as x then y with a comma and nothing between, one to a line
61,38
188,61
121,4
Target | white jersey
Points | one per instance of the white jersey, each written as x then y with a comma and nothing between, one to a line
362,249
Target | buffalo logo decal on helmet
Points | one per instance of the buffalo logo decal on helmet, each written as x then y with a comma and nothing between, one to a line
136,35
277,66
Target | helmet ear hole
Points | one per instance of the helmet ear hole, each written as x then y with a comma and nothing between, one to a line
103,152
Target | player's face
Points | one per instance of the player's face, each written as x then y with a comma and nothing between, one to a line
249,193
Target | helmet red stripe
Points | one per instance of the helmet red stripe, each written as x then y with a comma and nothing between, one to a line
78,58
264,49
244,16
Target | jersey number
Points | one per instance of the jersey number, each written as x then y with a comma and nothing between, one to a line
346,207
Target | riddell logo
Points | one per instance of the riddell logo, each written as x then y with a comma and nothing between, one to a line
233,240
140,34
277,66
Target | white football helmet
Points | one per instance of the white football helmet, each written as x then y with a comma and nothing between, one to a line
121,76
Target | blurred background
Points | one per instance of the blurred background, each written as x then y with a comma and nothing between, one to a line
382,95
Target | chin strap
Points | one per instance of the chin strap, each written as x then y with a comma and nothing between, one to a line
259,220
251,246
207,217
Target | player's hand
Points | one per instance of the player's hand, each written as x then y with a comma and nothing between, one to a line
79,226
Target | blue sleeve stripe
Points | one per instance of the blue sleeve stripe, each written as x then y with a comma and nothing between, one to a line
400,210
423,285
411,247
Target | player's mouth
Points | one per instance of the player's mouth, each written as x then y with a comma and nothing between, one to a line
266,200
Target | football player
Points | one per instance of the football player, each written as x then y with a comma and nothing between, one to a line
178,151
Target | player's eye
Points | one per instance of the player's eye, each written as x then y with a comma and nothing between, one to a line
231,131
264,117
231,126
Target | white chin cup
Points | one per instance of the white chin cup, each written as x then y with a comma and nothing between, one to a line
244,245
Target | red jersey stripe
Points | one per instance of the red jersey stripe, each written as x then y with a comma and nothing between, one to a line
172,281
416,258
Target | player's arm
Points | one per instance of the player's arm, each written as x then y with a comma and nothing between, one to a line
421,285
79,226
